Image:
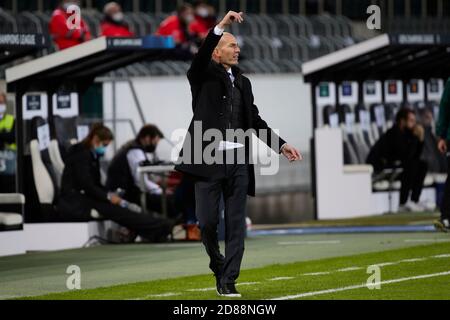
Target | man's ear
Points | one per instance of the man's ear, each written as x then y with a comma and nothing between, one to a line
216,52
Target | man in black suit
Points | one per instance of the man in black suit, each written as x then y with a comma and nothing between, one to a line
222,101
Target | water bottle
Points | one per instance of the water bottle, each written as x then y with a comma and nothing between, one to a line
130,206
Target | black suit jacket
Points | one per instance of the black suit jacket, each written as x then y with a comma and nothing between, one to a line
395,145
211,95
82,174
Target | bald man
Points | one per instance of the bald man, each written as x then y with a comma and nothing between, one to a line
113,23
222,99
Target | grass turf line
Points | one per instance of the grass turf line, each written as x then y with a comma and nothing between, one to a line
324,276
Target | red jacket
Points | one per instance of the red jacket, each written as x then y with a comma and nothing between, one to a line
171,27
200,26
62,35
110,29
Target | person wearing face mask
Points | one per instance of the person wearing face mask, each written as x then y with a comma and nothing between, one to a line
113,23
123,171
63,36
82,190
205,19
177,25
403,142
7,148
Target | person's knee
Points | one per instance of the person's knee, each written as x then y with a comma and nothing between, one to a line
208,225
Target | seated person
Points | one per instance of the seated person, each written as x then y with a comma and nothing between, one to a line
205,19
59,30
123,174
81,190
403,142
113,24
7,148
177,26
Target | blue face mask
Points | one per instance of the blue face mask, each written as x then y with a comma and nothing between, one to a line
100,151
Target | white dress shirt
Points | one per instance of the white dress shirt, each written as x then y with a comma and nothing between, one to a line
135,157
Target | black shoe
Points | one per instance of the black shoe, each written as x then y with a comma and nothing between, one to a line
442,225
218,277
229,290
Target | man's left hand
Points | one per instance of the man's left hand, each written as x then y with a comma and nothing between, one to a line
291,153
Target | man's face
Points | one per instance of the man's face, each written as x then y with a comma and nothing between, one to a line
115,12
187,15
113,9
227,51
150,143
410,121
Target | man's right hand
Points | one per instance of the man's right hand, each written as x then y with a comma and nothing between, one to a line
231,17
442,146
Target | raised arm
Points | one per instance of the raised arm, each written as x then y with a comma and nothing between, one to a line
203,56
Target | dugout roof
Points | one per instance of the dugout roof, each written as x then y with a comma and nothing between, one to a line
17,45
387,56
87,60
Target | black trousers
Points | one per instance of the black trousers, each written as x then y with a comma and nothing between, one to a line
233,186
412,177
445,205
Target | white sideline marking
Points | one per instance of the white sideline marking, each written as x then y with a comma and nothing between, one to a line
214,288
316,273
413,260
359,286
281,278
284,243
442,256
349,269
247,283
202,289
168,294
383,264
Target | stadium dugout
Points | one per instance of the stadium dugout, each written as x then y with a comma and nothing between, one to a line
13,47
47,95
355,93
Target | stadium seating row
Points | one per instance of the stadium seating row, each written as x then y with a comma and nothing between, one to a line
269,43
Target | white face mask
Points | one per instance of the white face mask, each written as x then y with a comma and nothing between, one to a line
189,18
117,17
2,110
202,12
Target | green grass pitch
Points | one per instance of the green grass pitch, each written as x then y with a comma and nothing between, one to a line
417,272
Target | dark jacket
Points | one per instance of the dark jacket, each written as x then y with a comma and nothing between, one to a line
82,174
394,145
211,96
80,184
120,175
